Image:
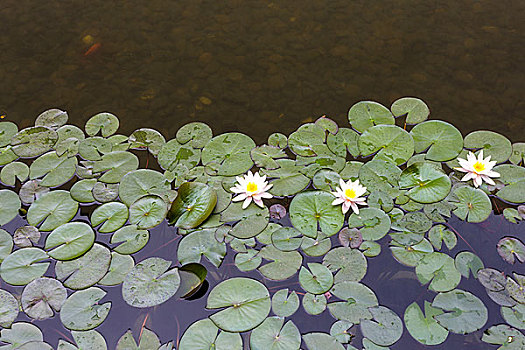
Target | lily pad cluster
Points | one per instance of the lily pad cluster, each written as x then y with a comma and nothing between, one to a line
407,163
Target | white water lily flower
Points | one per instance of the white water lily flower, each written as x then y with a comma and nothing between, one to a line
251,187
478,169
349,195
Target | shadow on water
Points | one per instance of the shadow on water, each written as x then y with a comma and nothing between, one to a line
395,285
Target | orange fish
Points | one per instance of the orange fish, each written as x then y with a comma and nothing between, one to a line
92,49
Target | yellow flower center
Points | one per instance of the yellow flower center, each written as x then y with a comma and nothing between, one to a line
251,187
349,193
478,166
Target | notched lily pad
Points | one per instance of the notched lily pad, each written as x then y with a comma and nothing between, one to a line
510,249
193,205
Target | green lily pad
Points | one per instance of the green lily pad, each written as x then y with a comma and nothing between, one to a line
439,234
466,313
86,270
423,327
33,141
425,183
441,140
380,175
493,144
69,138
306,140
174,154
345,140
308,210
514,179
197,134
131,239
514,316
339,331
246,302
13,171
264,156
192,277
467,262
410,255
105,192
286,239
350,264
43,297
82,310
250,221
287,178
284,305
384,329
8,309
201,242
372,223
140,183
326,180
438,269
51,210
52,118
111,215
9,205
119,267
391,143
70,240
115,165
365,114
150,283
55,170
278,140
248,261
416,110
472,204
510,249
314,304
148,340
19,334
6,244
229,153
148,212
518,153
321,341
193,205
7,131
283,266
84,340
81,191
105,123
317,246
272,335
508,337
202,335
358,298
149,139
23,266
317,280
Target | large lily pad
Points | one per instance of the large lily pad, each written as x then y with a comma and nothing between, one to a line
442,140
380,175
148,340
140,183
8,309
51,210
365,114
386,327
118,269
13,171
391,143
284,305
415,109
6,244
130,239
514,179
150,283
423,327
472,204
440,270
229,154
425,183
148,212
321,341
55,170
105,123
70,240
202,335
23,266
493,144
115,165
250,221
311,210
247,304
9,205
146,138
287,178
43,297
19,334
350,264
82,310
273,334
193,205
196,134
284,264
174,154
33,141
201,242
112,216
372,223
317,280
510,249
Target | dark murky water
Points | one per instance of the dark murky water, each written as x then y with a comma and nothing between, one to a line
260,67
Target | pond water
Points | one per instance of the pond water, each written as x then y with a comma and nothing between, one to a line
259,67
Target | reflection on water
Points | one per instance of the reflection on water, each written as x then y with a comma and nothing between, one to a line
254,65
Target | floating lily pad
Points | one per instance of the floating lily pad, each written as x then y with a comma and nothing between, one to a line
81,191
229,153
466,313
119,267
358,298
278,140
365,114
514,179
493,144
248,261
115,165
510,249
247,304
438,269
410,255
317,280
150,283
86,270
372,223
9,205
19,334
52,118
264,156
33,141
82,310
283,266
317,246
314,304
326,180
70,240
51,210
386,327
250,221
105,192
321,341
508,337
105,123
439,234
309,210
201,242
272,335
197,134
148,340
350,264
443,141
344,141
467,262
194,203
84,340
202,335
131,239
473,204
192,278
140,183
149,139
288,180
24,265
112,216
286,239
7,131
306,140
69,137
391,143
174,154
284,305
339,331
423,327
7,155
148,212
380,175
416,110
13,171
43,297
518,153
8,309
425,183
55,170
6,244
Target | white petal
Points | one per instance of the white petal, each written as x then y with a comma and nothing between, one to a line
240,197
266,195
468,176
342,183
492,173
488,180
463,170
354,208
477,181
246,202
345,207
259,202
338,201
